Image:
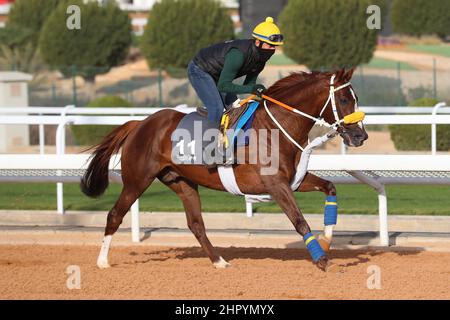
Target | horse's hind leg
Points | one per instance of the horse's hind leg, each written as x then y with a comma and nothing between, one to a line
315,183
115,217
188,193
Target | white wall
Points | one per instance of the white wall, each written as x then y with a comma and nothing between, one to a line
4,8
145,5
13,93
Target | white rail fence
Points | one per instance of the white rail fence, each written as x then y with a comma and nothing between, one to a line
62,116
374,170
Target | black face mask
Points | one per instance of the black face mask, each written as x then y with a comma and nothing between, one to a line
265,54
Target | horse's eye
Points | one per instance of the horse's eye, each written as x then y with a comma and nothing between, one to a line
343,100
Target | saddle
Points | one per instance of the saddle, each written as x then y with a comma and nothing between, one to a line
188,139
239,120
229,117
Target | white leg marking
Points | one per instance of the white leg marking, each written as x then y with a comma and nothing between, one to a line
102,261
221,264
326,238
328,230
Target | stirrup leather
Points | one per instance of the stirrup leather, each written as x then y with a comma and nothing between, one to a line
224,123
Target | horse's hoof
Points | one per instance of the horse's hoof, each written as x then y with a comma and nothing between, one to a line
221,264
326,265
322,263
324,242
333,268
103,264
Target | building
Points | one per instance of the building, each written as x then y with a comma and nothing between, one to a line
138,11
5,6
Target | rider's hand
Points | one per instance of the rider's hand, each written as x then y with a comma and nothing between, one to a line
259,90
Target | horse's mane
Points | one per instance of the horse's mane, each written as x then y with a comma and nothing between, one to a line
300,81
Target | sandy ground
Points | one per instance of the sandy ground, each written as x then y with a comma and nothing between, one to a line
39,272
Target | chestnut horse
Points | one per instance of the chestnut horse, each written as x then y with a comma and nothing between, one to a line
147,146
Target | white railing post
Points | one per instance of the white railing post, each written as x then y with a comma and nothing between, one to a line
60,149
382,204
249,209
135,225
41,138
382,212
433,127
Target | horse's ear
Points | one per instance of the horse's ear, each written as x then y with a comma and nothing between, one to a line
340,74
349,74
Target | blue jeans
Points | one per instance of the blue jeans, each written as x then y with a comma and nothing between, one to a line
206,89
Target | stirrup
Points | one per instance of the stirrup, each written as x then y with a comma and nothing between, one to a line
225,162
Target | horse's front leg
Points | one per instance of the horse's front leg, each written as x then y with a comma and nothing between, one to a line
314,183
283,195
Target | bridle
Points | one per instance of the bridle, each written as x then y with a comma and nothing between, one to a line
332,98
354,117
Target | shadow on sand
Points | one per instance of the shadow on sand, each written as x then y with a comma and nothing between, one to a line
354,256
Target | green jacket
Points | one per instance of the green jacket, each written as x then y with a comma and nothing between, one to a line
234,60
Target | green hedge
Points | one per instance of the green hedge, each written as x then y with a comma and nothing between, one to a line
418,137
86,135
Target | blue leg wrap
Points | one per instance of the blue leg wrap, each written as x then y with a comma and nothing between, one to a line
331,210
313,246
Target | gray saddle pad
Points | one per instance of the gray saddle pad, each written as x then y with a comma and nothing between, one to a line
193,140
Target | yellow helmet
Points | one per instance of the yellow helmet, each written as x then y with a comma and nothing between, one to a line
268,31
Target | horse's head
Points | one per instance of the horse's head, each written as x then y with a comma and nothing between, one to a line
328,98
342,102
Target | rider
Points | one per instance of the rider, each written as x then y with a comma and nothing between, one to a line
212,71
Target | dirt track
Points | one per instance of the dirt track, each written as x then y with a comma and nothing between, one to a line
38,272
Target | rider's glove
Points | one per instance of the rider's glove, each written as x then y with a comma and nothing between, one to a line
259,90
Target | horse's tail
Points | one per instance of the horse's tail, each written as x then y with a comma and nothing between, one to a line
95,179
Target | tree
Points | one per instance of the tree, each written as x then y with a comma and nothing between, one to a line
328,34
25,59
18,40
177,29
31,15
102,41
17,51
14,36
421,17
